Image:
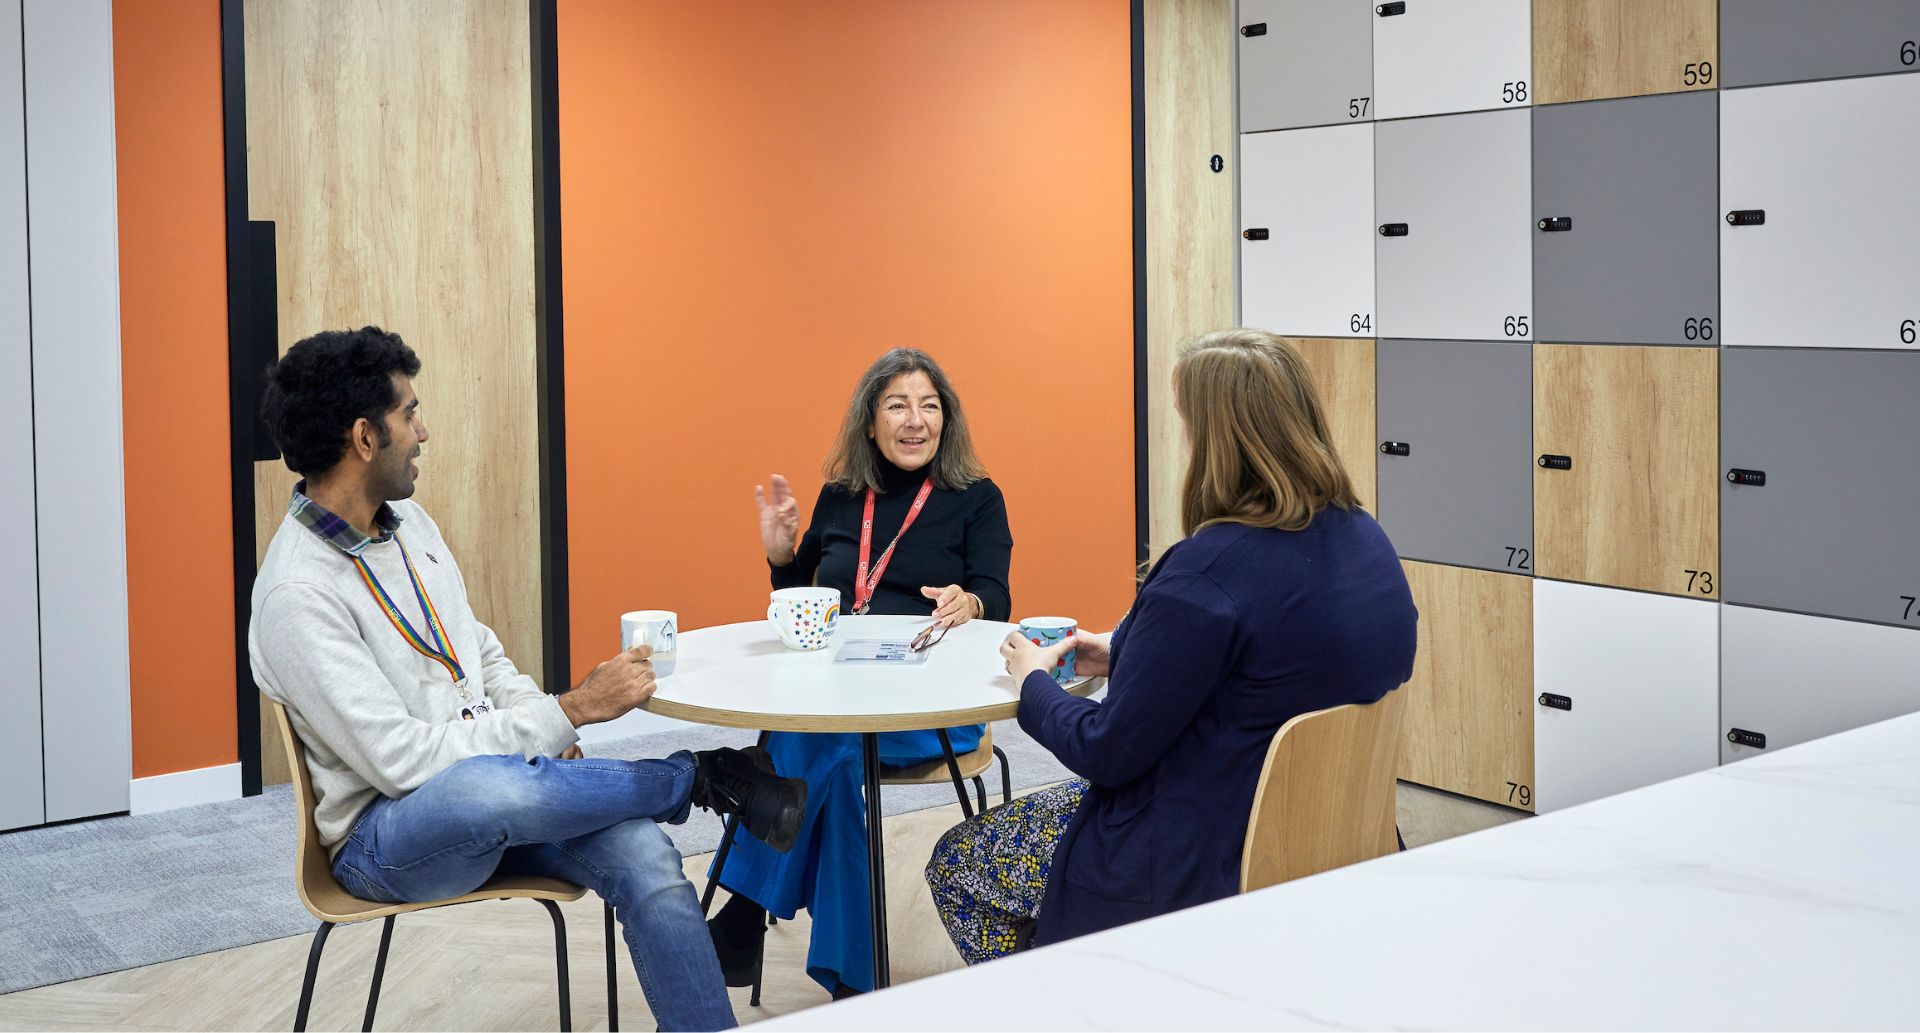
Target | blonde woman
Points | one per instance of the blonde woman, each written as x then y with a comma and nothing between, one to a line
1285,597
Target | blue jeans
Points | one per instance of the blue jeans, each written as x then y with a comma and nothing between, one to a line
593,822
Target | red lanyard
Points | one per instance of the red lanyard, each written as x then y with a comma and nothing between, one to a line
863,586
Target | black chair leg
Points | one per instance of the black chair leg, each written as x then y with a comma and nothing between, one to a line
613,974
726,846
759,966
1006,777
953,771
980,794
313,972
379,973
560,960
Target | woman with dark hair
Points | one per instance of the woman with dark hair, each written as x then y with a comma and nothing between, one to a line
937,544
1285,597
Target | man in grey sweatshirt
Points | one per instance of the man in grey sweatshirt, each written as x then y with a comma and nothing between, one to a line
436,764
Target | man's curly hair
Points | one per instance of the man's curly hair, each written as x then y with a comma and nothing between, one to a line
326,382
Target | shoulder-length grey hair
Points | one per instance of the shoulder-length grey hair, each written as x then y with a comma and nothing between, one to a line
854,463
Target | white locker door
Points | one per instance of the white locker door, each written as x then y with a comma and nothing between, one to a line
1306,240
1832,165
1435,57
1627,690
21,795
1789,677
1305,63
1454,241
79,477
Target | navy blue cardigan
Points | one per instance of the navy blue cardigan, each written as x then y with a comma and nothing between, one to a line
1236,630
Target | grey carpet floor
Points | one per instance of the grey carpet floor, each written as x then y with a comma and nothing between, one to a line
102,896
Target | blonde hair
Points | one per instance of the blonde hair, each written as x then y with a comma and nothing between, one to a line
854,463
1260,453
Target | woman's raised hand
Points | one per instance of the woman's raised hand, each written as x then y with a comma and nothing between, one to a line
779,520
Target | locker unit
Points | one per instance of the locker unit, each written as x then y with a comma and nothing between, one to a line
1786,678
1306,240
1455,452
21,799
1468,727
1592,49
1626,221
1625,479
1821,482
1776,41
1627,688
1343,375
1433,57
1305,63
1817,245
1454,244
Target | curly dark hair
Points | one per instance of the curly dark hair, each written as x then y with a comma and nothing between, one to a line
326,382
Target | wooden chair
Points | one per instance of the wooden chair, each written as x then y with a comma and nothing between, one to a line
1326,794
970,766
332,905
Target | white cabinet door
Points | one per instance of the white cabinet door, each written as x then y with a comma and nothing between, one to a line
1454,241
1786,677
21,797
1434,57
1306,241
1305,63
1627,690
1833,167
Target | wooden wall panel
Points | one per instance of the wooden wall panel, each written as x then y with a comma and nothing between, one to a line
1190,220
1641,505
1588,49
391,144
1343,373
1469,721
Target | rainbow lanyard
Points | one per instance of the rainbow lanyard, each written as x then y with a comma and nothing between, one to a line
440,649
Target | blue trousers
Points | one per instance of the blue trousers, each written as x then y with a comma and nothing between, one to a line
593,821
826,871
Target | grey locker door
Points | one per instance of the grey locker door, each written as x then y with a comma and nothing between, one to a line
1790,677
1776,41
22,799
1454,248
1825,255
1305,63
1833,529
1626,245
1455,422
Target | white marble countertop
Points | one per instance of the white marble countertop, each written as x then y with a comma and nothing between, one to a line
1779,892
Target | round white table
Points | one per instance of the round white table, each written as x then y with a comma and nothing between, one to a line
741,676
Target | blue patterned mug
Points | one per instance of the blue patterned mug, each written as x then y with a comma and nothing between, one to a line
1051,631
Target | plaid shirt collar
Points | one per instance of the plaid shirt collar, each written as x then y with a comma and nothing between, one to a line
333,530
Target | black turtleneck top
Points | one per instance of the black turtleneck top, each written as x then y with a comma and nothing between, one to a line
960,538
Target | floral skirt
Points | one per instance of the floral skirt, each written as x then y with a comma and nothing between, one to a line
988,874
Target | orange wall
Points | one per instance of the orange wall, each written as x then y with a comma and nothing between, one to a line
760,198
173,354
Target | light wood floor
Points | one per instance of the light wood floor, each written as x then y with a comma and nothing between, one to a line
432,982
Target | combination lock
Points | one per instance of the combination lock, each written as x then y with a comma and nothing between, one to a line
1747,217
1557,462
1742,737
1556,701
1757,478
1396,448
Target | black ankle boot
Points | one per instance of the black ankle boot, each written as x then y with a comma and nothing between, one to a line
743,782
739,934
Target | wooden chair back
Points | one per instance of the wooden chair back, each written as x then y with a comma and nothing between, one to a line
1326,794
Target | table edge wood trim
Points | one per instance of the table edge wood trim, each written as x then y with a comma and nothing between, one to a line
849,722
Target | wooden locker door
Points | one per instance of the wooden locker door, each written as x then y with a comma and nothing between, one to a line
1628,689
1306,246
1456,55
24,801
1469,720
1343,375
1589,49
1626,479
355,111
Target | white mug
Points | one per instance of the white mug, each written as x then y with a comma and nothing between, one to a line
657,628
805,617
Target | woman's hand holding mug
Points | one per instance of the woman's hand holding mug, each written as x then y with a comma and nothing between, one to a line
779,520
1095,656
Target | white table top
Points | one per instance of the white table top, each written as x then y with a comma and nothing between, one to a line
1778,892
740,676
